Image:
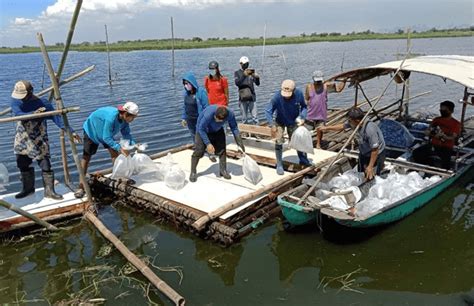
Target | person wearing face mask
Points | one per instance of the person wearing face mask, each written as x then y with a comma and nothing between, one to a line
244,79
370,142
31,140
210,137
444,131
316,96
100,128
195,101
290,108
217,86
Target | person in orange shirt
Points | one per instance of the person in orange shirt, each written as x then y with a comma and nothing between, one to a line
217,86
444,131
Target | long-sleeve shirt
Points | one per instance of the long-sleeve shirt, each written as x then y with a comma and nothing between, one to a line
208,124
20,108
103,124
287,110
242,81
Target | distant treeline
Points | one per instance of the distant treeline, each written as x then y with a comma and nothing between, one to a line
212,42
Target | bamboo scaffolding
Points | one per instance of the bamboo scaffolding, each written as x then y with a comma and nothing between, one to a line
137,262
310,190
26,214
40,115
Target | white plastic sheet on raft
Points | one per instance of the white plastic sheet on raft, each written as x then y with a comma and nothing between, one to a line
301,140
4,178
251,170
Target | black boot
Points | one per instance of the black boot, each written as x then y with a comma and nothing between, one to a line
28,180
48,183
194,163
223,167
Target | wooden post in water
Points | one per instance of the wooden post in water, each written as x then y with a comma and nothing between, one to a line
407,81
172,48
108,54
263,47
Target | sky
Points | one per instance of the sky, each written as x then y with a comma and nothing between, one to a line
20,20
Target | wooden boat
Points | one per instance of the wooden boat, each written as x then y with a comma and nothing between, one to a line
456,68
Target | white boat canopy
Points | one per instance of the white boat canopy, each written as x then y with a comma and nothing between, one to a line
456,68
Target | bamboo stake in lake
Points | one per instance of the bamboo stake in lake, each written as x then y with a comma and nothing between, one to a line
263,47
108,54
172,47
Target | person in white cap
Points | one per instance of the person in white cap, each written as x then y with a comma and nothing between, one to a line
290,108
100,128
245,78
31,140
316,96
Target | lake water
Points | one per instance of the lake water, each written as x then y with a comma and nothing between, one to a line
426,259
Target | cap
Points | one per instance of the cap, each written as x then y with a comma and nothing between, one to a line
21,89
213,65
318,76
287,88
244,60
129,107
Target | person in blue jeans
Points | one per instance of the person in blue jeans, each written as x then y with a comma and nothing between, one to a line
195,101
244,79
290,108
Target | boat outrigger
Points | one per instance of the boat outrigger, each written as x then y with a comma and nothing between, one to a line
298,208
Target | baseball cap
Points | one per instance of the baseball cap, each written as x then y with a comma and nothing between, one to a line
129,107
21,89
244,60
318,76
287,88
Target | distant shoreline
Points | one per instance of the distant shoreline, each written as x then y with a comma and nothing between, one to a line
198,43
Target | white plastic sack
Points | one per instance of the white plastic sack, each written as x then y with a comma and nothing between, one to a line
144,166
367,207
347,179
301,140
336,202
4,179
123,167
125,144
251,170
165,165
175,178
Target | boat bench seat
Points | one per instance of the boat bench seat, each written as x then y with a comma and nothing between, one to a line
255,129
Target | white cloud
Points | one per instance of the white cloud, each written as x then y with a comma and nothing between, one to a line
19,21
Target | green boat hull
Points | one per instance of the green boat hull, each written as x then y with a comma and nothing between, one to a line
296,215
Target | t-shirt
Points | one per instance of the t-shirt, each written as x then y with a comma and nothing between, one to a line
449,126
369,137
215,90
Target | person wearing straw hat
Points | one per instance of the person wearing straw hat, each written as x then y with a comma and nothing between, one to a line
31,140
316,97
244,79
100,128
290,108
370,141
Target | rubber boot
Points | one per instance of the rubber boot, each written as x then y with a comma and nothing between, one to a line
223,167
279,159
194,163
28,180
48,183
304,161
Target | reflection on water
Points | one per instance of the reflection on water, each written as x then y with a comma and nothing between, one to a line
426,259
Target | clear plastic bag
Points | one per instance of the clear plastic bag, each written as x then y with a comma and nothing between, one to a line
123,167
301,140
125,144
251,170
165,165
4,178
175,178
144,166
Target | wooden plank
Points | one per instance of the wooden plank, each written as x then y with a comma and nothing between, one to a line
255,129
336,214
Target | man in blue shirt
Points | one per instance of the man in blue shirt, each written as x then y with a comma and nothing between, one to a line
100,128
210,136
31,140
290,108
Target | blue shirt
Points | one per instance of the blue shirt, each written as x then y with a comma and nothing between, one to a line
28,107
103,124
207,123
287,110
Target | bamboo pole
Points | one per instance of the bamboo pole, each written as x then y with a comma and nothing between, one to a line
26,214
172,48
59,101
263,47
137,262
40,115
201,222
310,190
108,54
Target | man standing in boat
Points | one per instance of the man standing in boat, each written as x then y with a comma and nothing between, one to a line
31,140
316,97
290,108
444,131
210,136
100,128
245,78
370,141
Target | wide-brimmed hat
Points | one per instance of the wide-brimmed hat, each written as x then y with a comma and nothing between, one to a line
21,89
129,107
287,88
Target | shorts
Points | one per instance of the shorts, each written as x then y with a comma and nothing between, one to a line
90,147
280,133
